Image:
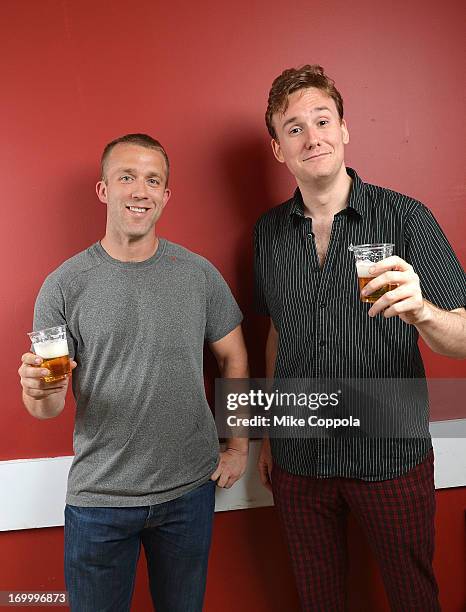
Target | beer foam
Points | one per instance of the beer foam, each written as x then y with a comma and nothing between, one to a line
51,348
362,268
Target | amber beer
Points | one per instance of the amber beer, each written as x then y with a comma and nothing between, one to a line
60,366
364,278
52,346
366,255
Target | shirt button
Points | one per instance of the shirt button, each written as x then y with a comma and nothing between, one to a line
322,304
322,343
309,235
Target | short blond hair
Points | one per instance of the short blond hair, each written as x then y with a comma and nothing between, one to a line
141,140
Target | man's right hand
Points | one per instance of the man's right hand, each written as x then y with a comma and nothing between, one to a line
31,378
265,464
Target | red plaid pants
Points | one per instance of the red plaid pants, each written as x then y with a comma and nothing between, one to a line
397,516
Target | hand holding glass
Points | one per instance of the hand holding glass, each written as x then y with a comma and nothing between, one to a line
366,255
52,346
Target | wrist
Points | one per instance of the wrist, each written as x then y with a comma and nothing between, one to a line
240,447
425,315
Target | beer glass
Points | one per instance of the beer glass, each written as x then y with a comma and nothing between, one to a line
51,345
366,255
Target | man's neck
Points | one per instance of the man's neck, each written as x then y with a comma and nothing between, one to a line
324,198
125,249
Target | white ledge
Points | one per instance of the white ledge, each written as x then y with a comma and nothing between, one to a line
33,490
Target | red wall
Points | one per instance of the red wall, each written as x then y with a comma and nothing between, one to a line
77,74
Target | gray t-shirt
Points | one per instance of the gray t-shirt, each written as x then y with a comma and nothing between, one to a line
144,432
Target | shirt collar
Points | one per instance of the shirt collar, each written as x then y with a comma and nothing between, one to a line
356,201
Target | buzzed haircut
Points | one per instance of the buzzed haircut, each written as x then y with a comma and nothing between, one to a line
141,140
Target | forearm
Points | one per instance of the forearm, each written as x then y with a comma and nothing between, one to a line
443,331
45,408
235,367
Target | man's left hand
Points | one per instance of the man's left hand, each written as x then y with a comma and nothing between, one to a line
405,300
231,467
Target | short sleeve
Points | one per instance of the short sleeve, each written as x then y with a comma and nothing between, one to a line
441,275
49,310
260,299
223,313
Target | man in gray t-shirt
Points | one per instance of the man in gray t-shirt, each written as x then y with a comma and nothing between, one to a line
138,310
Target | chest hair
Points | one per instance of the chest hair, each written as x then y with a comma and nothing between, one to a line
322,230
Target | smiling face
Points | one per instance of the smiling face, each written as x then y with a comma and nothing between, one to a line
311,137
134,190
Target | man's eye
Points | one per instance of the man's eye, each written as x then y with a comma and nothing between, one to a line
295,130
323,122
153,181
125,179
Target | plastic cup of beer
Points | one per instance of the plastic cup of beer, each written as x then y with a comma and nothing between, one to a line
366,255
51,345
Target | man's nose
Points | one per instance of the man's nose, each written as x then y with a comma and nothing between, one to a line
312,138
139,191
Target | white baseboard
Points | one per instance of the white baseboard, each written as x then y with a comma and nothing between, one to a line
33,490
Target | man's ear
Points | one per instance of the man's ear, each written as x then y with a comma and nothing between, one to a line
277,150
166,196
101,190
345,133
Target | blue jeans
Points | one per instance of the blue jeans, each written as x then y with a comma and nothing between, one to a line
102,548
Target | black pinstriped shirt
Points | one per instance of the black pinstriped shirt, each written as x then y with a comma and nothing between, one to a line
324,330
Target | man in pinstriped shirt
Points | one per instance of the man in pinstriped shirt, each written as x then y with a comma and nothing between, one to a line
306,284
